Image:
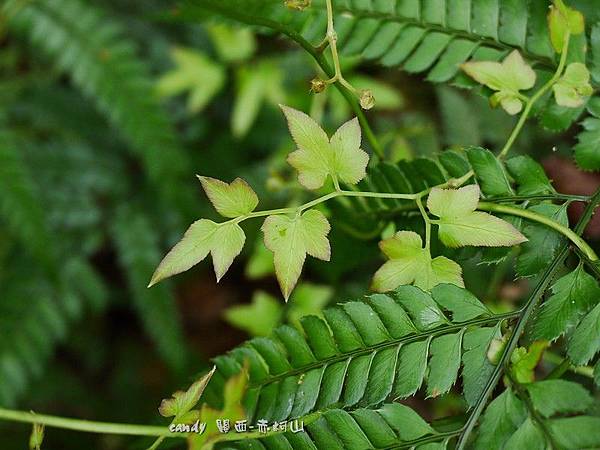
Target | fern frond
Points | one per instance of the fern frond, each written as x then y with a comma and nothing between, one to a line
103,64
419,35
37,315
364,353
138,251
532,413
392,426
20,206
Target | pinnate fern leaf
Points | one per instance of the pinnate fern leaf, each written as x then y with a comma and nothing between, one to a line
365,353
419,35
102,62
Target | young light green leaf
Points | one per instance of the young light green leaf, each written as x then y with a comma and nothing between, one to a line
460,225
573,88
318,157
349,160
182,402
232,44
290,239
562,19
524,361
224,241
230,200
410,263
36,438
584,343
232,410
257,84
308,299
572,297
550,397
508,78
259,318
196,74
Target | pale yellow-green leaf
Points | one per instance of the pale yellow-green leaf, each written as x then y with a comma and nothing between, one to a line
513,74
562,19
307,299
453,202
349,160
230,200
314,156
233,395
232,44
182,402
256,84
508,78
444,270
460,225
318,157
573,88
258,318
290,239
36,438
196,74
409,263
478,229
224,241
508,101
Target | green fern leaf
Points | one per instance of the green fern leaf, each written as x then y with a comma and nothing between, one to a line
137,244
20,204
421,36
37,316
98,56
361,354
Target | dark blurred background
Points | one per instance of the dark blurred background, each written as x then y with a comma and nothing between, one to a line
108,110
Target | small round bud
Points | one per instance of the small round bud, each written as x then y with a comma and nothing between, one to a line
317,85
299,5
367,101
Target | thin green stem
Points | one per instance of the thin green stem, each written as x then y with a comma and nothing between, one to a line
86,425
427,223
563,364
156,443
530,102
315,52
580,243
528,214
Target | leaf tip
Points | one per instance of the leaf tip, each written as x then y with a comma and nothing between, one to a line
156,278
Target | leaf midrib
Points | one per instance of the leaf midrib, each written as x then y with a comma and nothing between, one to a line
388,17
439,331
